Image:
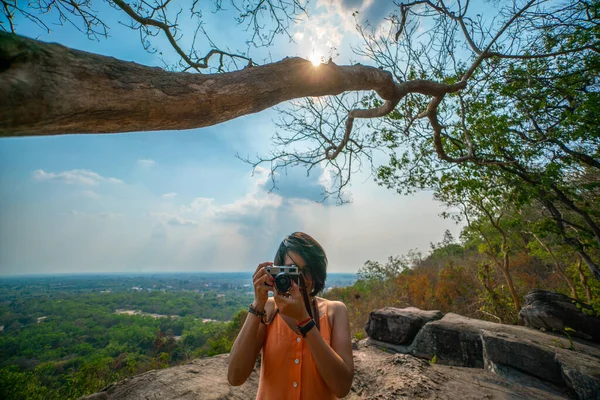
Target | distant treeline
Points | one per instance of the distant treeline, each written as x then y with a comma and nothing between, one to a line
65,345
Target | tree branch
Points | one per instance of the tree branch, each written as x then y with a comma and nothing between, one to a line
48,89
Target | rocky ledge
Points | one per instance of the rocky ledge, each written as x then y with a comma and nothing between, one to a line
517,353
379,375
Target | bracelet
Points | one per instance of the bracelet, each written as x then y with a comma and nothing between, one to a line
254,311
303,322
304,329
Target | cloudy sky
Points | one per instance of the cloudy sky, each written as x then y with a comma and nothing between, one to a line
181,200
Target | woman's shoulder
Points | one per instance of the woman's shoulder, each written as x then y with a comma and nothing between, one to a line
331,303
334,307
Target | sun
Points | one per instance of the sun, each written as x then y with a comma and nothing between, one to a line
316,59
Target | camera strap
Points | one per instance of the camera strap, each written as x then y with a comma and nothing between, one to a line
312,312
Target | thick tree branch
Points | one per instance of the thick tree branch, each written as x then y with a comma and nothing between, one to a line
49,89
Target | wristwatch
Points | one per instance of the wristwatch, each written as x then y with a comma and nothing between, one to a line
304,329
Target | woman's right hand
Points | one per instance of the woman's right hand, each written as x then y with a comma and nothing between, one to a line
263,283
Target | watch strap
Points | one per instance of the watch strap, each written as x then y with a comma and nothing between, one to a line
304,329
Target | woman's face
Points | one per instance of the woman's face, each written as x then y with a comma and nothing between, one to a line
293,258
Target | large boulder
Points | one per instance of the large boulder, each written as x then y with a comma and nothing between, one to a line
555,311
580,373
505,354
453,340
515,352
398,325
501,350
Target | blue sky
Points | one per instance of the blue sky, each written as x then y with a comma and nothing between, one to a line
181,200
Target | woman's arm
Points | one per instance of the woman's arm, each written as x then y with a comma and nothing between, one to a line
249,341
245,350
334,362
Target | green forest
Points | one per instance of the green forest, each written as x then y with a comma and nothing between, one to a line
64,341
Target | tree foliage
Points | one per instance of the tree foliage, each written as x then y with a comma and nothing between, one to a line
60,343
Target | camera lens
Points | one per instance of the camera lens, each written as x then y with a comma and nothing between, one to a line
283,282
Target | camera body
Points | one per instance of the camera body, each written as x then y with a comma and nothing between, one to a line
284,275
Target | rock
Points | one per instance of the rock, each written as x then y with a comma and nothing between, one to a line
517,353
501,350
581,373
378,375
453,340
398,325
204,378
555,311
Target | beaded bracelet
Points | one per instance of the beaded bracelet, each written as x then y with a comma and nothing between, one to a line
254,311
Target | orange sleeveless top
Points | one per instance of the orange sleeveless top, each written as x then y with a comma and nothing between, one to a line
287,368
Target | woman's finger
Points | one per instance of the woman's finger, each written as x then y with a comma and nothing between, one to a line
295,291
262,265
261,269
264,280
280,299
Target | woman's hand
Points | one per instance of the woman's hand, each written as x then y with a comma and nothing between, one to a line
292,306
263,283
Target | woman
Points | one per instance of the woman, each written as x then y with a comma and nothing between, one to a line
303,357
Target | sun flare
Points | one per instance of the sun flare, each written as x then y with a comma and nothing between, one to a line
316,59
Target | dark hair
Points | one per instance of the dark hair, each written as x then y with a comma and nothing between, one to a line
311,252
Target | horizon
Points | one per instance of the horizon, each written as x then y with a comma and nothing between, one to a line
74,274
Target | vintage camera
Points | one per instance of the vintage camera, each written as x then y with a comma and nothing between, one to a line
284,275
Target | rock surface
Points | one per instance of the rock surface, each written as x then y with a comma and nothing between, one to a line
555,311
398,326
514,352
501,350
378,375
204,378
581,373
453,340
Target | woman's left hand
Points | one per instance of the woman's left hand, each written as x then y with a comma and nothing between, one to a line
292,306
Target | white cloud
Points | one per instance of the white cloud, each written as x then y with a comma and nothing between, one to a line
200,206
178,221
326,179
85,214
209,234
331,30
147,163
169,196
90,194
74,177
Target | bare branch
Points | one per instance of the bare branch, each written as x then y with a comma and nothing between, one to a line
198,64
